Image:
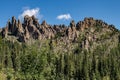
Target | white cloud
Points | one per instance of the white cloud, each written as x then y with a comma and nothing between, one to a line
64,17
30,12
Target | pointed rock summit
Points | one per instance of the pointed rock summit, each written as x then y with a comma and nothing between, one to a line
32,29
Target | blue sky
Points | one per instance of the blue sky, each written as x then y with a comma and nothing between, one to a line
62,11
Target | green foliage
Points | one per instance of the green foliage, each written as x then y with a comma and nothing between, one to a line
59,34
39,62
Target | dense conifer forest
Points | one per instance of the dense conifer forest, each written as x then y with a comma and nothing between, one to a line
94,54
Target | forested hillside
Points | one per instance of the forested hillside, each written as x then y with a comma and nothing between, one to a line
88,50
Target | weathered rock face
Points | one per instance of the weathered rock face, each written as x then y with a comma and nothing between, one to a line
31,29
88,22
4,32
13,26
19,30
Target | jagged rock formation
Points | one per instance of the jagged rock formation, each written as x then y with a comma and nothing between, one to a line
87,50
32,29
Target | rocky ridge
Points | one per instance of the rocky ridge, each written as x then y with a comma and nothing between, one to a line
31,29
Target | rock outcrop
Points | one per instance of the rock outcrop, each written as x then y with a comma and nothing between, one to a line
31,29
4,32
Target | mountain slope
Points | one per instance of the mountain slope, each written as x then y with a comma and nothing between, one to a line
86,34
88,50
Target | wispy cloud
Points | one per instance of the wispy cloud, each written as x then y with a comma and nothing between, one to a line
64,17
30,12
